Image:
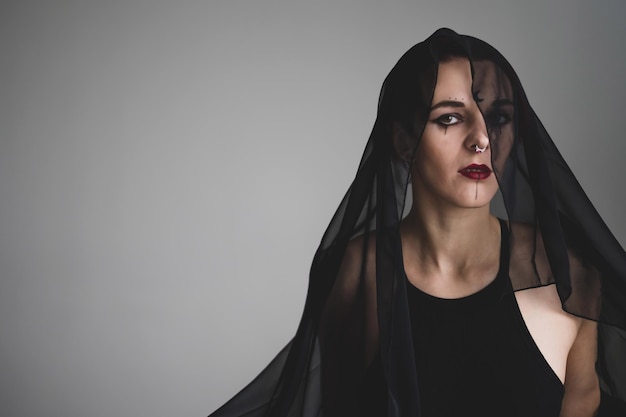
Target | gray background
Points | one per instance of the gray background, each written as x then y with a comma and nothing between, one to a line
168,168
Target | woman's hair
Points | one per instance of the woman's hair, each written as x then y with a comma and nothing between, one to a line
409,87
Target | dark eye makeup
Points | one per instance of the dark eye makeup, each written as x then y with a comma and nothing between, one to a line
497,118
448,119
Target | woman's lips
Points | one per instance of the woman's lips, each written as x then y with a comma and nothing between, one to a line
476,172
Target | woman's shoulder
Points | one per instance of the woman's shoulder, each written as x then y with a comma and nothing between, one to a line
554,329
530,267
359,258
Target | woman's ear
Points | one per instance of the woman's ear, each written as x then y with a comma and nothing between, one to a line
402,143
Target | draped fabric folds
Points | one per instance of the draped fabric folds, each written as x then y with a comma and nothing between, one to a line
356,311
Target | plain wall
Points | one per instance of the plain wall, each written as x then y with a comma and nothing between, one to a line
167,170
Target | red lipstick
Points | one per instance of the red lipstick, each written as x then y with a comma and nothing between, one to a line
476,172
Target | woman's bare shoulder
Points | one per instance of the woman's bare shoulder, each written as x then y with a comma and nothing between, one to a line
557,333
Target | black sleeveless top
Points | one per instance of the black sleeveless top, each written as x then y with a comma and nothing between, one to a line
475,356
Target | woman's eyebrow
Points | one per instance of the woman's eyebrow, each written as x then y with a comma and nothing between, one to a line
502,102
447,103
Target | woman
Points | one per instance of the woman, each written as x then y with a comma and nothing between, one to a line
432,294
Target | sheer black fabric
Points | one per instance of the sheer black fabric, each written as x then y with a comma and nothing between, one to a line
355,334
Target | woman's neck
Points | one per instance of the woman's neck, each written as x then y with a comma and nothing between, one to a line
450,243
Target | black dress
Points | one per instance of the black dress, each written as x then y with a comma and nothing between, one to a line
475,356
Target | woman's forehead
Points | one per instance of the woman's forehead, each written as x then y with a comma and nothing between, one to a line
454,80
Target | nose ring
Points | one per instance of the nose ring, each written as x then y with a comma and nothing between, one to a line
478,149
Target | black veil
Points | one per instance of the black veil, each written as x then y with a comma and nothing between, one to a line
356,312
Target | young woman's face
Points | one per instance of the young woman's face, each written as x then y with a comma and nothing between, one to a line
452,163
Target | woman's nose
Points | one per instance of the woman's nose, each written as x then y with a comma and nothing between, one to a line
477,139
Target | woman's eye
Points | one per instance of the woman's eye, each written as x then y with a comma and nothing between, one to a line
497,119
448,120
